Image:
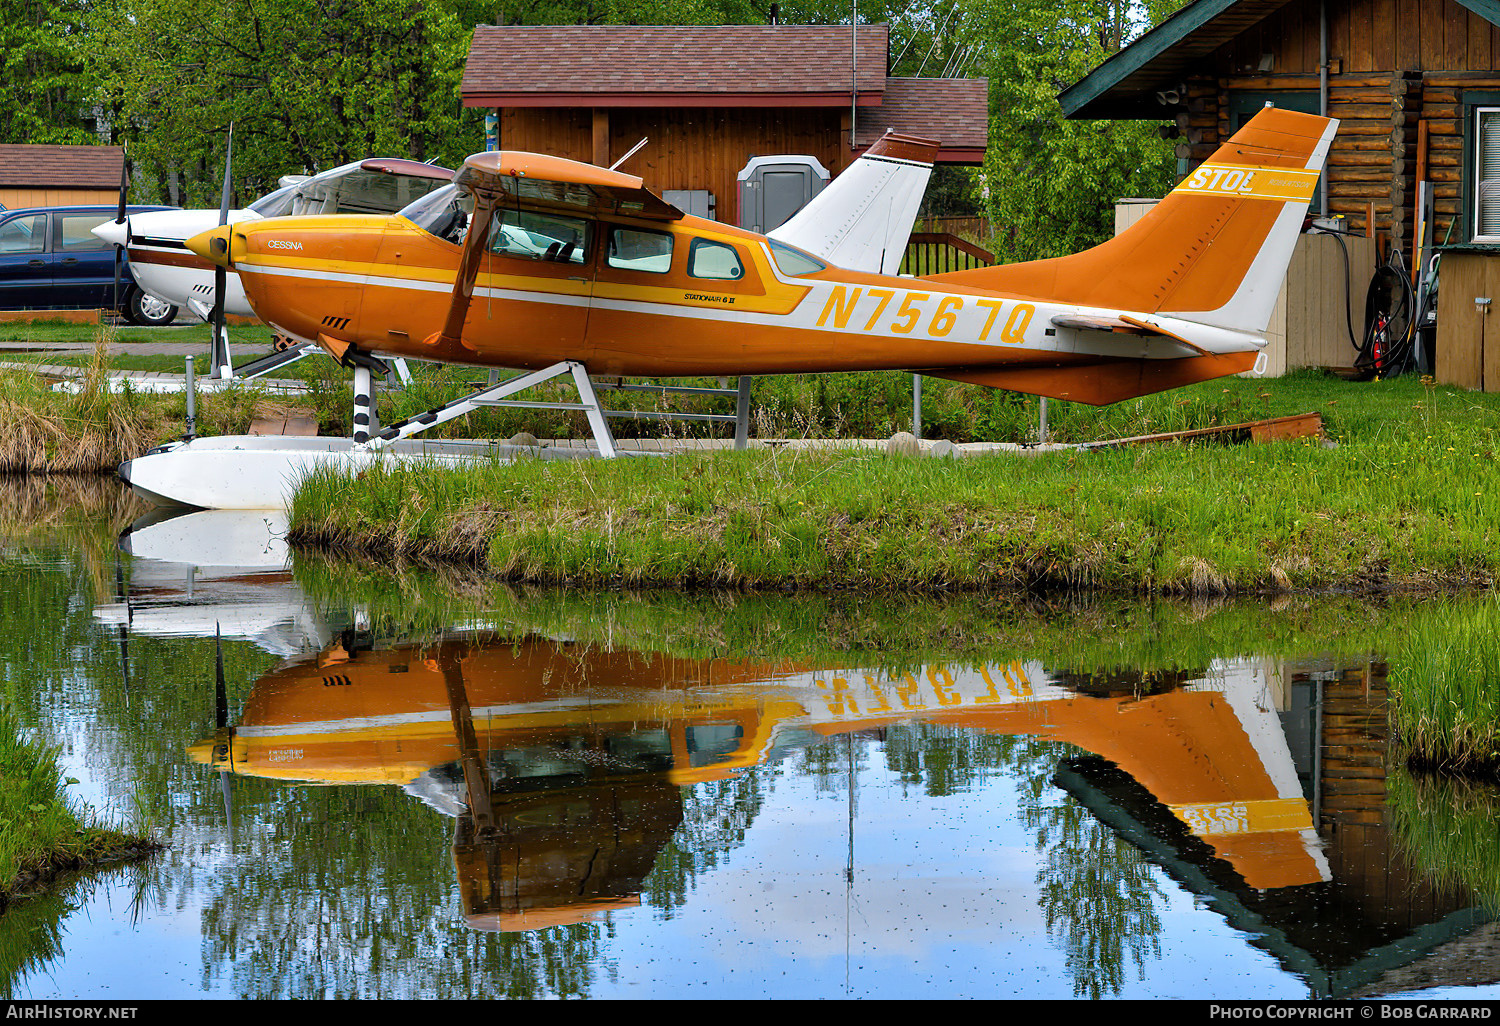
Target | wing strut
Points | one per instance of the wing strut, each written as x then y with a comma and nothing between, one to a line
475,243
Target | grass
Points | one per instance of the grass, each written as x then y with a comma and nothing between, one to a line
42,831
1398,503
1447,827
1445,683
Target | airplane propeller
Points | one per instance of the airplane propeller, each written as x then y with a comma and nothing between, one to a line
219,350
222,734
121,219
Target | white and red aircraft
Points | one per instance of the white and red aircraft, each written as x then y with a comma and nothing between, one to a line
164,267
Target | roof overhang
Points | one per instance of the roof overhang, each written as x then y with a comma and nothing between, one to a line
705,99
1125,86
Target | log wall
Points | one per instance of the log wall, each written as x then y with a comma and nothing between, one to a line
1393,64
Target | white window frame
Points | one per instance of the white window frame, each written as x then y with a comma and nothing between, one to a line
1477,234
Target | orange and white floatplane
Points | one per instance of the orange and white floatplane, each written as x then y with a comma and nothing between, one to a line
563,766
553,267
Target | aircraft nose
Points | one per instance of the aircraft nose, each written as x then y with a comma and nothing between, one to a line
212,245
114,233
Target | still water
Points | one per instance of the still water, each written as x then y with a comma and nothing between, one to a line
424,787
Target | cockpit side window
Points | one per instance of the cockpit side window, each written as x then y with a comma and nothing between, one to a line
640,249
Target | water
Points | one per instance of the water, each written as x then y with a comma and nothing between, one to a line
419,787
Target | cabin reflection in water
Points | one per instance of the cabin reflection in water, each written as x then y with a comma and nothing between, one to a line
562,764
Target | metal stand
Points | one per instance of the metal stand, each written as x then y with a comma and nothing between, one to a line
497,393
219,361
270,362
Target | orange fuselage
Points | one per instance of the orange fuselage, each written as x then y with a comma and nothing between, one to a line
385,285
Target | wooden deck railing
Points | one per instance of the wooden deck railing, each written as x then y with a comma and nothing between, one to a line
939,252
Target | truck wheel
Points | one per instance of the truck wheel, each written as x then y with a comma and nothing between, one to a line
147,310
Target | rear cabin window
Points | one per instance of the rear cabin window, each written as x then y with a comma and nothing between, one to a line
77,232
535,236
715,260
635,249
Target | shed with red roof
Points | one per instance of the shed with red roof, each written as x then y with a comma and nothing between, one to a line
710,97
50,176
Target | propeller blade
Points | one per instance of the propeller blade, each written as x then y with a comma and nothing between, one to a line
221,691
121,219
219,349
221,721
224,196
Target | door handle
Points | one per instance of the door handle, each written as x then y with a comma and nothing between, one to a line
70,261
36,263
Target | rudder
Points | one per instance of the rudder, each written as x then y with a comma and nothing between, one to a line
1214,251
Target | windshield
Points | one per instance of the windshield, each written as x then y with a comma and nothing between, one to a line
276,204
443,212
346,190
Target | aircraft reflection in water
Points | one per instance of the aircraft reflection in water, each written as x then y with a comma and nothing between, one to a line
561,764
198,573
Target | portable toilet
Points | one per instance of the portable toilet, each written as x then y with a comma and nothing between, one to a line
772,189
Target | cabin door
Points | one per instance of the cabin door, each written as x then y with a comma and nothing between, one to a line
534,285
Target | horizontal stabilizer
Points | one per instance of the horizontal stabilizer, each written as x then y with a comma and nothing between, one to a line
1105,380
1122,323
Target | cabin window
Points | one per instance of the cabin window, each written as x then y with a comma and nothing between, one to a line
708,743
714,260
637,249
535,236
794,261
1487,174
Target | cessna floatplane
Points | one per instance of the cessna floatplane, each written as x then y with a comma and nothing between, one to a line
553,267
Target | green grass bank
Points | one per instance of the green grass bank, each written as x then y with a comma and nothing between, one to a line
1401,501
42,832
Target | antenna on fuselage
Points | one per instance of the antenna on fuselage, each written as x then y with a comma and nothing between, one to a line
616,165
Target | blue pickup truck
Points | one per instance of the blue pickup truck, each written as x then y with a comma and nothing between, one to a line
50,259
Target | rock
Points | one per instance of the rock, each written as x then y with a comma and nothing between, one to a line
943,448
903,443
521,438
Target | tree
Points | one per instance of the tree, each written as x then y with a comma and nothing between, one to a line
1050,183
44,86
308,85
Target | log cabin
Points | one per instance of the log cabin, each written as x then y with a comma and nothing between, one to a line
1415,86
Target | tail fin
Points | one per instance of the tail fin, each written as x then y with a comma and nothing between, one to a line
863,218
1214,251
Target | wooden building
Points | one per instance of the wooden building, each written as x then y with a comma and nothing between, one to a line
1414,84
710,97
52,176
